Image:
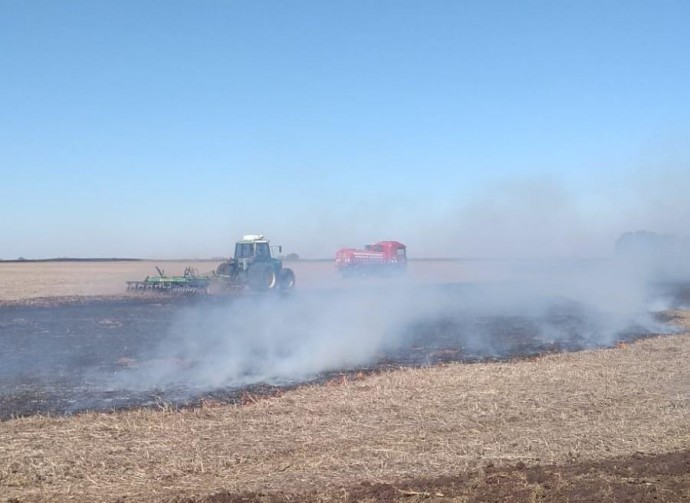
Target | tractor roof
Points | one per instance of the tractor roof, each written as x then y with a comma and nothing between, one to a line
253,238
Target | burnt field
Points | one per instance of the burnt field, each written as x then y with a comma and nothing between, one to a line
121,353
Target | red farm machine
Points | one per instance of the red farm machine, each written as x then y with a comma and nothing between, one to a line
382,258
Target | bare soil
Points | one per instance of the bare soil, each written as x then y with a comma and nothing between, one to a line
636,478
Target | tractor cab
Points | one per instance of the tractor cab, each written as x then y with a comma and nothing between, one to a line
254,247
244,250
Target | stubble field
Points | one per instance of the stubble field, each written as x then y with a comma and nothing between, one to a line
601,424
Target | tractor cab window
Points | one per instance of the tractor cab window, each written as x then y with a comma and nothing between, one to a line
401,253
262,251
244,250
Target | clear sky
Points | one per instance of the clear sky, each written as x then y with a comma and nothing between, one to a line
462,128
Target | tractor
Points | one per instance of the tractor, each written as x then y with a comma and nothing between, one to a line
255,267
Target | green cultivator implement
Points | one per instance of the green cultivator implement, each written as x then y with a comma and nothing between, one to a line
190,283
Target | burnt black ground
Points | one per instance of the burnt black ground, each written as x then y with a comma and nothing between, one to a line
49,353
66,358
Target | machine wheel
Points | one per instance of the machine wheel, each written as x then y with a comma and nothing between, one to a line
264,279
286,280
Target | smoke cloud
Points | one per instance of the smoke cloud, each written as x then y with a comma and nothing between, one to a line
561,281
271,339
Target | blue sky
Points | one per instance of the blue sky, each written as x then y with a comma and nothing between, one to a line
492,128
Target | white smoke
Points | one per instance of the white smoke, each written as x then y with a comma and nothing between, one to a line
271,339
